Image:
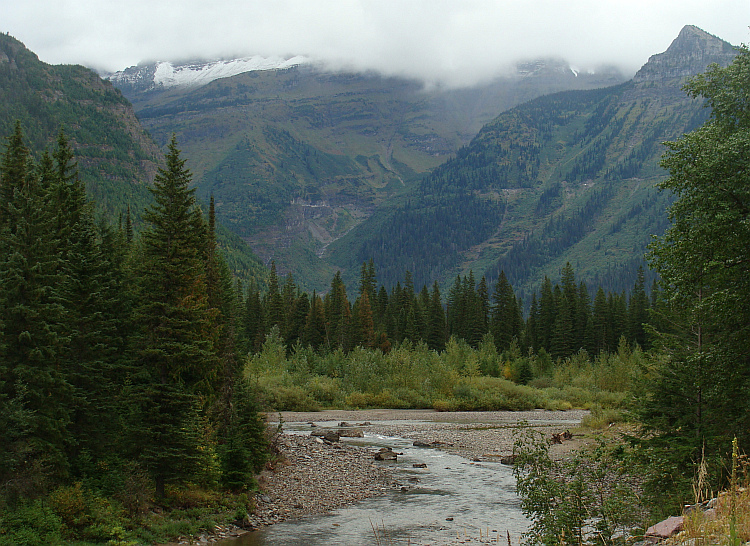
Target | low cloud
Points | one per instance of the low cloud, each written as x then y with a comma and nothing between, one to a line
437,41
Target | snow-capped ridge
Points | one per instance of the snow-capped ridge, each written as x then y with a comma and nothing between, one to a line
165,74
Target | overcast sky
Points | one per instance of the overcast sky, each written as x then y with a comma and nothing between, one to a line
451,41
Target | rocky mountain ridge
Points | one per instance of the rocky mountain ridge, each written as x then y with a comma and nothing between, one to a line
297,157
689,54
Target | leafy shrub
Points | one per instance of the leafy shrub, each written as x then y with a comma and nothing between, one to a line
591,496
325,390
31,524
290,398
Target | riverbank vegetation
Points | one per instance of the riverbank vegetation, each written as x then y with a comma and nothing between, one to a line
691,409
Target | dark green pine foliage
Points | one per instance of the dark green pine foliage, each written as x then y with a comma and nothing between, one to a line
583,318
34,319
638,312
601,328
244,451
505,324
337,315
253,320
93,295
297,318
437,333
273,304
700,398
314,333
547,313
173,345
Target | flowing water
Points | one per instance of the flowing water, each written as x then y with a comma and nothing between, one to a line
453,498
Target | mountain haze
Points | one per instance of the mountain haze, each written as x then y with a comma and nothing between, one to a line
566,177
297,157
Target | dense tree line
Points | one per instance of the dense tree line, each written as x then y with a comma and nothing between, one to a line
117,353
562,321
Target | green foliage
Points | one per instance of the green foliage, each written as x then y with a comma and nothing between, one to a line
31,524
590,498
697,396
118,367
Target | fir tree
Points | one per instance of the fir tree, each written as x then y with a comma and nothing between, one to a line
173,346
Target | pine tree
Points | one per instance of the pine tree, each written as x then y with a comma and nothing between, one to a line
174,343
504,324
337,315
436,321
314,334
33,318
272,302
638,311
253,320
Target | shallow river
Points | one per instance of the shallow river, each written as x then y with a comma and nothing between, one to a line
449,501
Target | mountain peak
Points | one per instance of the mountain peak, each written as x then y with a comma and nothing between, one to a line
688,54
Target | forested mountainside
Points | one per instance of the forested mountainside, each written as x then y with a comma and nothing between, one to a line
115,155
117,158
568,177
298,157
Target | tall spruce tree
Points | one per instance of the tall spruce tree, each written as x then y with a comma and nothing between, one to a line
174,342
34,321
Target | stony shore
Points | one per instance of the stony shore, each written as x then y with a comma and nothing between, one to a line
314,477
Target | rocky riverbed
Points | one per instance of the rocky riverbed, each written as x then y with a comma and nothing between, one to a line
316,476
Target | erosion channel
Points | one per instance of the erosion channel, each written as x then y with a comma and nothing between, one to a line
455,492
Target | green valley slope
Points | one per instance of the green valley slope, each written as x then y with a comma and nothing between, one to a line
297,158
117,158
565,177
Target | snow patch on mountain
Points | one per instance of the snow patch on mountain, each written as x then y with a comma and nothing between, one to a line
165,74
193,75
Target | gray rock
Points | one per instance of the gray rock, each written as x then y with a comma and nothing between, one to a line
386,454
352,433
664,529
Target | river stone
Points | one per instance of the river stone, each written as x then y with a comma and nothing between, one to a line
352,433
664,529
328,435
386,454
420,443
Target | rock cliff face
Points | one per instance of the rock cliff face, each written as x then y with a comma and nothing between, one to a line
690,53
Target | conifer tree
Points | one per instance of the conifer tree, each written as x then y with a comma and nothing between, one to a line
33,316
436,321
174,343
272,302
314,334
504,324
253,320
638,311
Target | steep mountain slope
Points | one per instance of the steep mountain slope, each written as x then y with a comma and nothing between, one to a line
297,157
115,155
565,177
117,159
